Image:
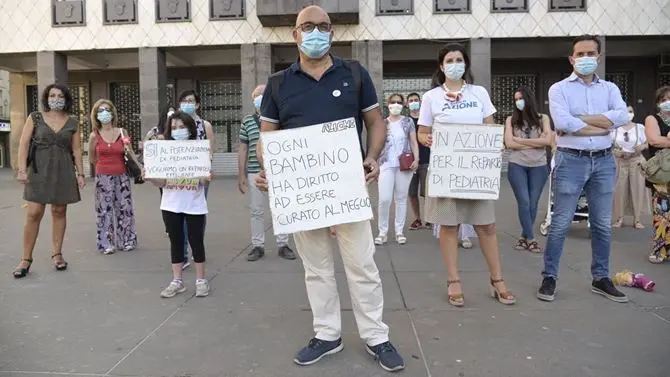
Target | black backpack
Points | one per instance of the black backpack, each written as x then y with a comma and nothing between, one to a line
277,78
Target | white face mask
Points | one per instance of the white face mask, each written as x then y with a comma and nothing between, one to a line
631,116
180,134
520,104
395,108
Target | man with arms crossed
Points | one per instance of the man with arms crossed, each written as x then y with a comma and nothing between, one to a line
322,88
249,167
585,108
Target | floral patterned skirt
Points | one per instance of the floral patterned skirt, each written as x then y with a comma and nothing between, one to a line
661,222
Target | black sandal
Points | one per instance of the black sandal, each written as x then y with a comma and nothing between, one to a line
521,244
534,248
62,265
21,272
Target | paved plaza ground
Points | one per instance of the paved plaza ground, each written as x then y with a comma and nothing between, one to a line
104,316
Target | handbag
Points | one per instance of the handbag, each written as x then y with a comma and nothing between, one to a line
657,169
406,157
30,159
133,168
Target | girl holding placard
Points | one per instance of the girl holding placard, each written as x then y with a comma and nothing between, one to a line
455,100
183,200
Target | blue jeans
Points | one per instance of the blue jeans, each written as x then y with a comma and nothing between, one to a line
596,176
527,184
186,231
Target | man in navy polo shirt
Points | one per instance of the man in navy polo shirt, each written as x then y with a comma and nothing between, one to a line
322,88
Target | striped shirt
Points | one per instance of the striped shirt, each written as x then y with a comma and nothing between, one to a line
249,134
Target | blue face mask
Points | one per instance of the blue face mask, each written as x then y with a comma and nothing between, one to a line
315,44
414,106
180,134
257,102
454,71
586,65
188,108
105,117
520,104
664,106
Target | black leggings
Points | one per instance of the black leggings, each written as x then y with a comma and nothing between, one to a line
195,226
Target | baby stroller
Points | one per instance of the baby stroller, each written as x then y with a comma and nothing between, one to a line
581,213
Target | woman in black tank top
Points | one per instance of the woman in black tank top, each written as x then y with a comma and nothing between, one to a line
657,127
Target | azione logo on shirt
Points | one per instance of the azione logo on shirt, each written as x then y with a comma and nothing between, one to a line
183,184
338,125
460,105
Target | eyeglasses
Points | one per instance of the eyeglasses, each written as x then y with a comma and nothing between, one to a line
101,109
308,27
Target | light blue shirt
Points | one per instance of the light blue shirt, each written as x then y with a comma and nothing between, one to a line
572,97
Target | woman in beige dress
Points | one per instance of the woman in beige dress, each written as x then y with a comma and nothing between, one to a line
456,100
630,194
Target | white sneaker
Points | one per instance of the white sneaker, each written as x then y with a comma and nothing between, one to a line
466,243
201,288
173,289
401,239
109,251
381,239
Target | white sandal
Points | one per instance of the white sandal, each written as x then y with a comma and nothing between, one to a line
381,239
401,239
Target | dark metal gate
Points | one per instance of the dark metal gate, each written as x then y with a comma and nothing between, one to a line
622,80
126,98
664,79
222,106
503,88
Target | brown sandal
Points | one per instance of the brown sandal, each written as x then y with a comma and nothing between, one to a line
533,247
521,244
455,299
505,298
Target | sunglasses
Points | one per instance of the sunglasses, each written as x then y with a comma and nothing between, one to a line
101,109
309,27
625,137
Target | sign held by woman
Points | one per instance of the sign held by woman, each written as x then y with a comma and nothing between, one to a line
170,159
315,177
465,161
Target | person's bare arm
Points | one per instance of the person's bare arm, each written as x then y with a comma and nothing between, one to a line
544,139
374,121
77,153
265,127
414,145
92,156
209,131
653,133
24,143
510,140
242,153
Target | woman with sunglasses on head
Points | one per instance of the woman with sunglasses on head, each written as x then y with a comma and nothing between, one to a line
657,131
630,193
184,201
456,100
52,169
113,199
394,178
527,135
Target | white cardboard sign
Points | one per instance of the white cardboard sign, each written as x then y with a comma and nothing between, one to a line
315,177
465,161
170,159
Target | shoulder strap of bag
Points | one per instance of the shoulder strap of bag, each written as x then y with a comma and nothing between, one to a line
276,79
257,119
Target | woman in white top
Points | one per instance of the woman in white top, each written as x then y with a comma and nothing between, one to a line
630,191
183,200
394,179
456,100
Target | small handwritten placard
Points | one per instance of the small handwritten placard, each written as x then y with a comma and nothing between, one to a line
169,159
315,177
465,161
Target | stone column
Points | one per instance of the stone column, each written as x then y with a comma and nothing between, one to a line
51,68
153,85
602,66
256,65
480,62
371,55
